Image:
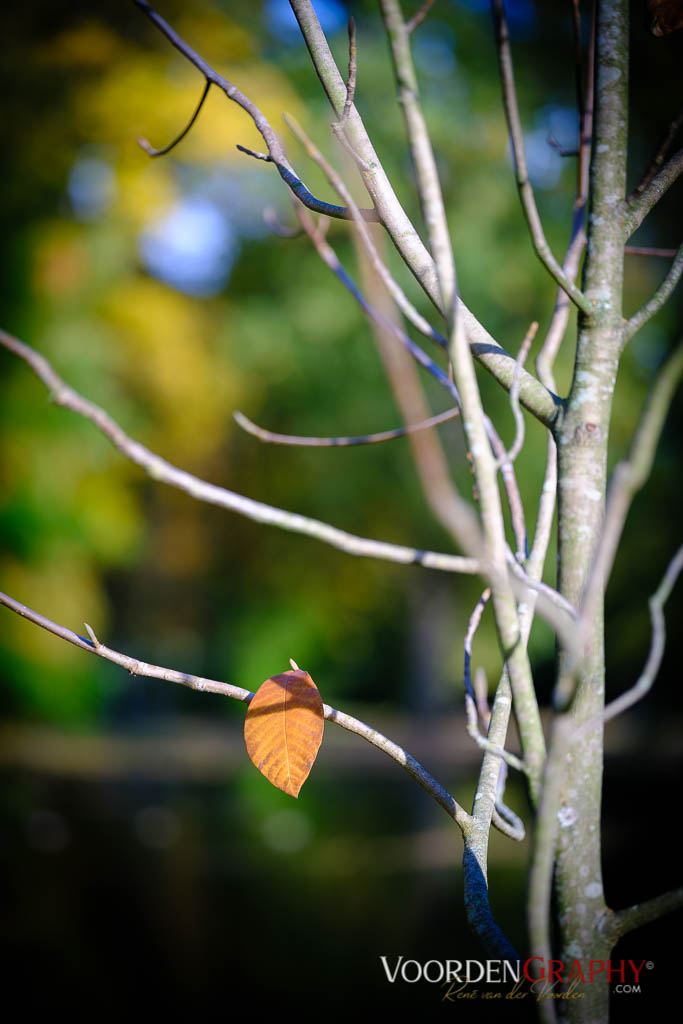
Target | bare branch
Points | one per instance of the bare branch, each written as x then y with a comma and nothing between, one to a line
472,626
630,475
142,668
578,79
654,659
552,141
625,921
365,235
276,153
507,471
526,192
518,441
149,149
644,250
652,307
560,318
353,70
277,227
639,207
428,185
419,16
161,470
268,437
658,157
544,405
329,256
549,818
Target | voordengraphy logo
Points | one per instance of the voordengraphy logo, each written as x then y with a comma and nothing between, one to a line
544,979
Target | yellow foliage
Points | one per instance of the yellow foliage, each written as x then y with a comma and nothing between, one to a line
166,337
64,589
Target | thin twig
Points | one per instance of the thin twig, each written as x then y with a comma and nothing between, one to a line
276,153
472,626
526,192
271,218
151,151
161,470
560,318
652,307
654,659
578,79
426,173
353,70
269,437
348,722
630,475
627,920
659,156
552,141
419,16
544,405
518,441
644,250
365,235
329,256
474,707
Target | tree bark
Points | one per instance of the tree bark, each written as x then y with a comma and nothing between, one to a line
582,453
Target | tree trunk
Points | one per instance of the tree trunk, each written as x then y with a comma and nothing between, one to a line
582,461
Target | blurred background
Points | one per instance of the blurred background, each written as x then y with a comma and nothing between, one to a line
143,857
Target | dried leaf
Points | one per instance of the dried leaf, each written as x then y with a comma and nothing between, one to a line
283,729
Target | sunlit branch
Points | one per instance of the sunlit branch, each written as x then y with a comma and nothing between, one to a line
526,193
630,475
514,498
654,659
142,668
426,173
639,207
560,318
518,442
652,307
406,307
353,70
151,151
473,706
544,405
276,153
329,256
269,437
164,472
365,235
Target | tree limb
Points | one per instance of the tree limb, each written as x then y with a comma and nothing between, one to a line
526,191
161,470
348,722
269,437
276,153
665,289
641,204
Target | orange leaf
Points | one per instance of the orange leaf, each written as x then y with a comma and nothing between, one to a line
283,729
